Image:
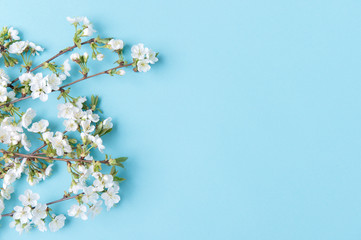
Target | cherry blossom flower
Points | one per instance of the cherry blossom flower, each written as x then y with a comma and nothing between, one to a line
57,223
14,33
39,127
18,47
22,213
115,44
28,117
111,197
143,65
39,212
138,51
29,198
78,211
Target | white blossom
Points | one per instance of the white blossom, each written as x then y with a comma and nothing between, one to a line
97,141
95,209
6,191
76,187
36,48
19,227
75,20
78,211
88,31
18,47
14,33
143,65
4,137
79,102
111,197
60,144
39,87
11,95
85,56
57,223
62,76
48,170
3,94
100,57
2,206
138,51
107,123
40,223
39,212
4,78
29,198
28,117
102,181
47,135
75,57
9,177
66,110
33,180
26,78
66,67
86,126
90,195
92,116
70,125
39,127
54,81
120,72
115,44
151,56
22,213
25,142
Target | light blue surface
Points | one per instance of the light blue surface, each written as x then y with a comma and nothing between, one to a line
249,127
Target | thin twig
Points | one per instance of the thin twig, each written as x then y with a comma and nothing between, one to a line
50,158
35,152
38,149
69,84
94,75
49,203
55,56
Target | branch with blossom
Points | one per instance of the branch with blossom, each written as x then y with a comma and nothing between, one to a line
84,126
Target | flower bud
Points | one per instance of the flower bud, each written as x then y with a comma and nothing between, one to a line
120,72
100,57
75,57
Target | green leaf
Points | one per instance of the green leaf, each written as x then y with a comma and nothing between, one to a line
113,171
121,159
118,179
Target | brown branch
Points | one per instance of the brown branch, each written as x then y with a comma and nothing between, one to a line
38,149
50,158
94,75
55,56
49,203
64,199
35,152
69,84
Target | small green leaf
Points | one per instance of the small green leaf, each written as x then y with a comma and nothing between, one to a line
118,179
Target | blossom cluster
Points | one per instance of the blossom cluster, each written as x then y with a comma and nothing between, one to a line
33,213
143,56
84,126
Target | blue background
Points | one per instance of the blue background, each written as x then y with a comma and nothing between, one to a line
247,128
